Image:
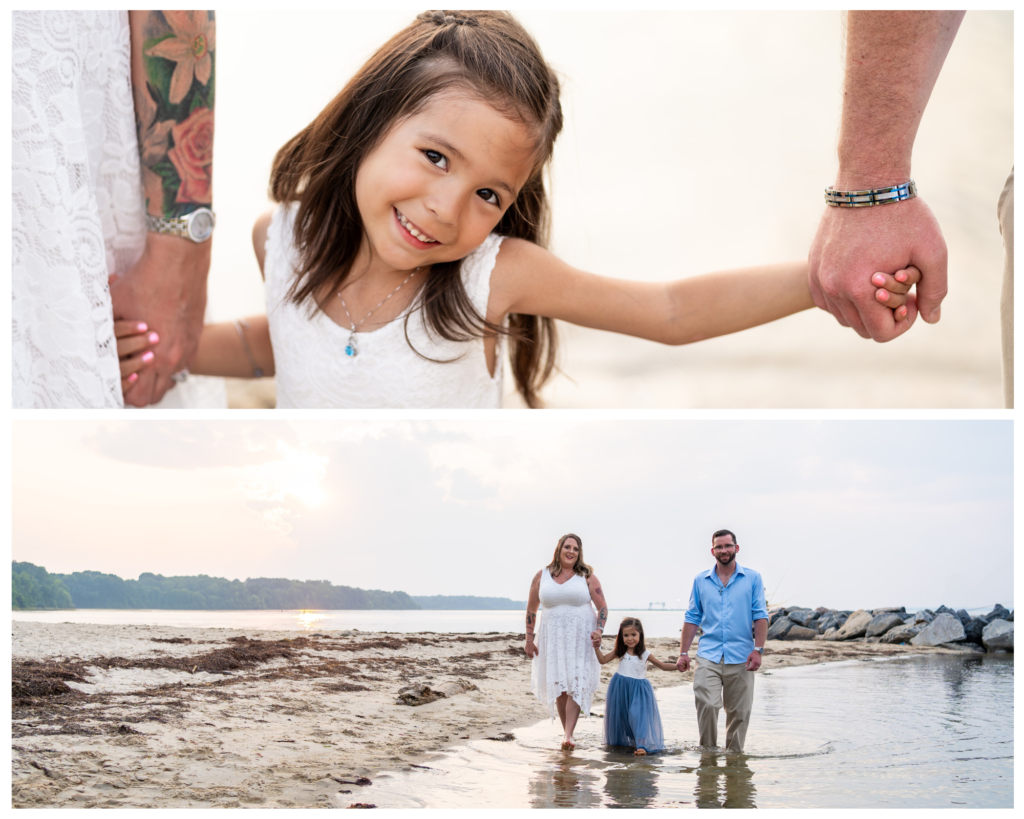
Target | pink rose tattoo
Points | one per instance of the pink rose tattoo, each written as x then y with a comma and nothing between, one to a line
192,155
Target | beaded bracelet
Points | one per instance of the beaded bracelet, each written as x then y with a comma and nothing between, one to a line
875,196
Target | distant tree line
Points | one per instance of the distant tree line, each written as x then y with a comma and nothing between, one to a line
34,588
463,602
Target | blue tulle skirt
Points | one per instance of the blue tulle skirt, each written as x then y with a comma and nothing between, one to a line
631,716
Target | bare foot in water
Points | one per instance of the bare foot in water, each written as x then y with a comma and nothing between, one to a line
568,745
639,752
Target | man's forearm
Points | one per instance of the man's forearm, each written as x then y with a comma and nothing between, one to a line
689,632
173,88
892,61
760,633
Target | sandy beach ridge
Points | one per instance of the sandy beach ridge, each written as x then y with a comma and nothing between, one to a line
143,716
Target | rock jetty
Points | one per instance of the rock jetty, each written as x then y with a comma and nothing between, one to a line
944,627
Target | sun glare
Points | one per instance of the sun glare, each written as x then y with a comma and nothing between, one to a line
296,473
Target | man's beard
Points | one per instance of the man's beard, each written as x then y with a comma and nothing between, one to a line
726,559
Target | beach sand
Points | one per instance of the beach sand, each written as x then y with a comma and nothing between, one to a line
175,718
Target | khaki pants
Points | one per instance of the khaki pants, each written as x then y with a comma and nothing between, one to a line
714,683
1005,211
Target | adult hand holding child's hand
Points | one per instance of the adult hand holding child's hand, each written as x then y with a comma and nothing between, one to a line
683,663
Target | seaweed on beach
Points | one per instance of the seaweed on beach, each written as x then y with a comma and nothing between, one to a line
32,680
175,640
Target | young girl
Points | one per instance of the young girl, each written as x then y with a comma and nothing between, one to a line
631,712
408,245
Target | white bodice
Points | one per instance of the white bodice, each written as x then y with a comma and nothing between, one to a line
632,666
573,592
309,352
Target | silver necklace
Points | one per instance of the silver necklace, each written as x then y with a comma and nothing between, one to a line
351,350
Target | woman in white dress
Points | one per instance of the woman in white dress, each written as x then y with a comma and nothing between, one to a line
565,669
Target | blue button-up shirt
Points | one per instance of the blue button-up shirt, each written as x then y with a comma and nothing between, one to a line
727,613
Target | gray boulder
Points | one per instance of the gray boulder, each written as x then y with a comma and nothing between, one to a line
998,613
802,617
945,628
924,616
830,634
801,633
945,610
774,615
881,623
973,631
780,628
998,635
855,626
900,634
963,616
890,610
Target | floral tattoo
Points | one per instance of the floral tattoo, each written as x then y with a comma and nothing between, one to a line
174,110
602,617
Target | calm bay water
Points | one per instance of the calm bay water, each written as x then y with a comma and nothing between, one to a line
933,731
656,623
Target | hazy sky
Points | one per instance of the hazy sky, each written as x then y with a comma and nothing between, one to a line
835,513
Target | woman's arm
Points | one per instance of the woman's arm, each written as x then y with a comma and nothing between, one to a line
529,279
532,604
222,352
597,596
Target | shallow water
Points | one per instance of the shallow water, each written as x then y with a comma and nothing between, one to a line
914,732
657,623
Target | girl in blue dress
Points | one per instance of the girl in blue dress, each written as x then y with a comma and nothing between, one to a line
631,715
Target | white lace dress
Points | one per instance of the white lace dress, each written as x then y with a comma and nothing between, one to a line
312,370
565,661
77,210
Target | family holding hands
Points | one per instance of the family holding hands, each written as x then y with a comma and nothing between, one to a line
727,602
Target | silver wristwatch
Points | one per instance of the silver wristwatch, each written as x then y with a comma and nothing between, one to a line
197,226
759,650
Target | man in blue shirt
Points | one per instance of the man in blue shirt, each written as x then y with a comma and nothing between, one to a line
727,602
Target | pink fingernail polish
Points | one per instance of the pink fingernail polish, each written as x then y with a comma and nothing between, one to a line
883,295
153,338
878,278
133,378
901,277
903,312
147,356
143,327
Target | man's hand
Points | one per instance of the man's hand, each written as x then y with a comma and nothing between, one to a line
683,663
595,639
531,649
753,661
852,244
166,288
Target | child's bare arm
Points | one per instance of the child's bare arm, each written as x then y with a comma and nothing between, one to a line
222,351
604,658
529,279
661,665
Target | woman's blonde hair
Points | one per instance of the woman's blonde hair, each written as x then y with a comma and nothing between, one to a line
579,567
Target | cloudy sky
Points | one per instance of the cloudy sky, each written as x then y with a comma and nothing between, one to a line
844,514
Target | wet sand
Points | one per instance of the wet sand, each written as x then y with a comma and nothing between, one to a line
169,717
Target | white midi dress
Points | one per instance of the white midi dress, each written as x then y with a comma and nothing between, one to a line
565,661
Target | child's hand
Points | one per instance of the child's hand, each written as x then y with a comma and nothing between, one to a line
893,289
133,350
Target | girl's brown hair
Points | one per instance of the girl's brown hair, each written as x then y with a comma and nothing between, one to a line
620,644
485,53
579,567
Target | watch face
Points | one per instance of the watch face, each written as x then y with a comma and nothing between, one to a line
200,225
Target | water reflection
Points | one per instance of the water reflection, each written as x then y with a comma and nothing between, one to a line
724,780
308,620
568,782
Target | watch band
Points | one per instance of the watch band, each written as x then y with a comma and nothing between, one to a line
181,226
871,197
